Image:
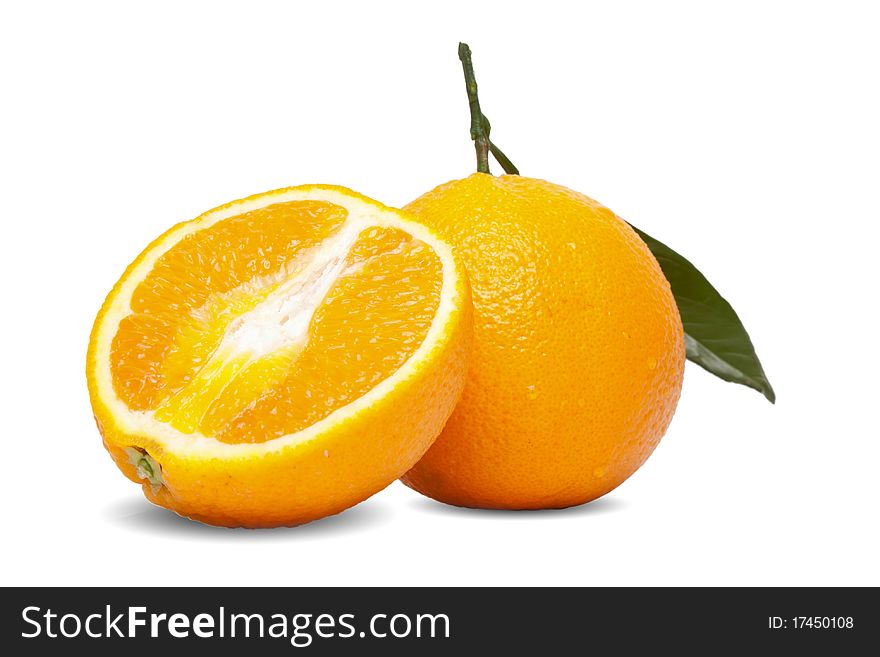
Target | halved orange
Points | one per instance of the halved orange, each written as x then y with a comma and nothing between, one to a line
280,358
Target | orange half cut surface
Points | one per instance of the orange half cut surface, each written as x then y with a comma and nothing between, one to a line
280,358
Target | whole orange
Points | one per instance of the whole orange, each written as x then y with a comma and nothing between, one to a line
578,348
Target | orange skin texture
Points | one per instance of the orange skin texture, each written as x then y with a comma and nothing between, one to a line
339,467
578,348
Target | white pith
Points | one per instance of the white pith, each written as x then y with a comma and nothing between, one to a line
283,318
263,329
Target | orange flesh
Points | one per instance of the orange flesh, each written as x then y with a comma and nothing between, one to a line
267,322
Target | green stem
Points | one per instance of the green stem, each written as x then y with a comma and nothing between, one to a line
146,466
480,126
500,157
478,134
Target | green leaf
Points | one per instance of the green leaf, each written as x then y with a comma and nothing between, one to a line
714,336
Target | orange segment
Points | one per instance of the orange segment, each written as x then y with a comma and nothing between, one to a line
245,253
233,252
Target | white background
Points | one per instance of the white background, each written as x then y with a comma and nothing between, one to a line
744,136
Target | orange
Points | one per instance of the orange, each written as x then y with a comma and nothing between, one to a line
578,348
280,358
